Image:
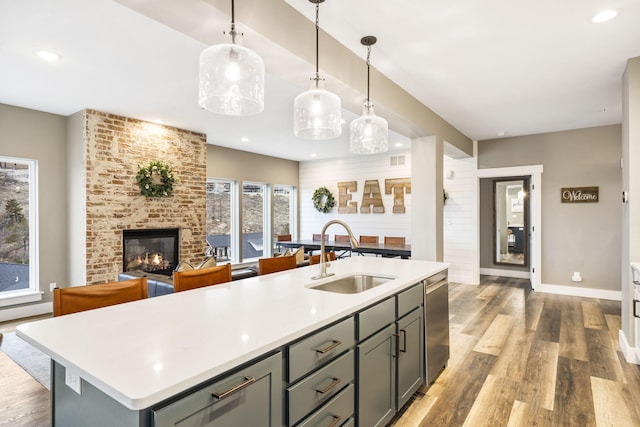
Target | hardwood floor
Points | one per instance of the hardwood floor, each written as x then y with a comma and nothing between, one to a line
521,358
24,402
518,358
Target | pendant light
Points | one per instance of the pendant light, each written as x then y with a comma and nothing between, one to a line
317,113
369,133
231,77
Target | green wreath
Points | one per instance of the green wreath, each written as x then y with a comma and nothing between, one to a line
156,180
323,200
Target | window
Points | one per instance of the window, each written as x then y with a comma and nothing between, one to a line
18,229
283,210
220,218
248,239
253,220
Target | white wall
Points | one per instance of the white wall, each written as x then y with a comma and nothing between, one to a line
459,218
328,173
629,335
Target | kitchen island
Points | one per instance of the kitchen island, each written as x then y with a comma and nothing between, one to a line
122,365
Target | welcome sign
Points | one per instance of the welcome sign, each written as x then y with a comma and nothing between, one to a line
580,194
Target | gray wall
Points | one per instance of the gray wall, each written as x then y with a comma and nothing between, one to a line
581,237
42,136
244,166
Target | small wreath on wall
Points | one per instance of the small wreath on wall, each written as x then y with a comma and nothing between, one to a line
156,180
323,200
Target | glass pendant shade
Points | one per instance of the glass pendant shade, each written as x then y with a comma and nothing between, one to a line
369,133
317,113
231,79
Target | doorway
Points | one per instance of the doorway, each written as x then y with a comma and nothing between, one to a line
485,248
511,221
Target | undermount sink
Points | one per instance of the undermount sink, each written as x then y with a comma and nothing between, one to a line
352,284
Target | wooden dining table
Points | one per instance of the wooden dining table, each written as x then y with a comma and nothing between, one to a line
403,251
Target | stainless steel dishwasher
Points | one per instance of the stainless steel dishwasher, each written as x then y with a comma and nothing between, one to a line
436,319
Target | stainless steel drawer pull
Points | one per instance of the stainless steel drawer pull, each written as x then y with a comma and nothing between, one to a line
635,306
404,340
247,382
336,421
333,345
334,383
397,344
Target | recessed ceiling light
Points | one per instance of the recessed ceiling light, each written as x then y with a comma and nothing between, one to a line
605,15
313,155
398,144
244,139
501,133
47,55
159,121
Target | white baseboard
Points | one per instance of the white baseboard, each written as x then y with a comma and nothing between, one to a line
505,273
25,311
631,354
461,278
579,292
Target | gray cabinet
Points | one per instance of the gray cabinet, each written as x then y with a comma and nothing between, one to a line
251,396
391,362
410,355
377,378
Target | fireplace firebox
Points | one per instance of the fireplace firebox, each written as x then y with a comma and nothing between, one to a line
151,250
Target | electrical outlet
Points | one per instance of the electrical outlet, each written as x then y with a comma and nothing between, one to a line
72,380
52,286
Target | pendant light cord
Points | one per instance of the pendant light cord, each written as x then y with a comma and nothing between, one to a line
317,41
368,70
233,23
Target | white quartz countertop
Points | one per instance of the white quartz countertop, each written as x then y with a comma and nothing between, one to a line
144,352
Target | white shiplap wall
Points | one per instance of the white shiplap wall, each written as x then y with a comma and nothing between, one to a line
459,234
328,173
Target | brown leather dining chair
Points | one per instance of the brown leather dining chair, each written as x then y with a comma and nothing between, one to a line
343,238
275,264
369,239
315,259
283,238
394,240
192,279
82,298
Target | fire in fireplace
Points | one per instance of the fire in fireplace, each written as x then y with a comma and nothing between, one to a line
150,250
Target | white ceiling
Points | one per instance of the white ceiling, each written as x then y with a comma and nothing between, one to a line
490,67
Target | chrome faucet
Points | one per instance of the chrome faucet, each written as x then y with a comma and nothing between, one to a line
323,262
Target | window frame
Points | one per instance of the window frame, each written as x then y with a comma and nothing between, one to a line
293,224
266,212
32,293
233,209
236,212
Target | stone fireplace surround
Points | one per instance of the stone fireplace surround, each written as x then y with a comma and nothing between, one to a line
114,148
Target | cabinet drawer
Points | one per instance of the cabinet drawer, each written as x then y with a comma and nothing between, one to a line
374,318
410,299
256,401
336,412
319,387
320,348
